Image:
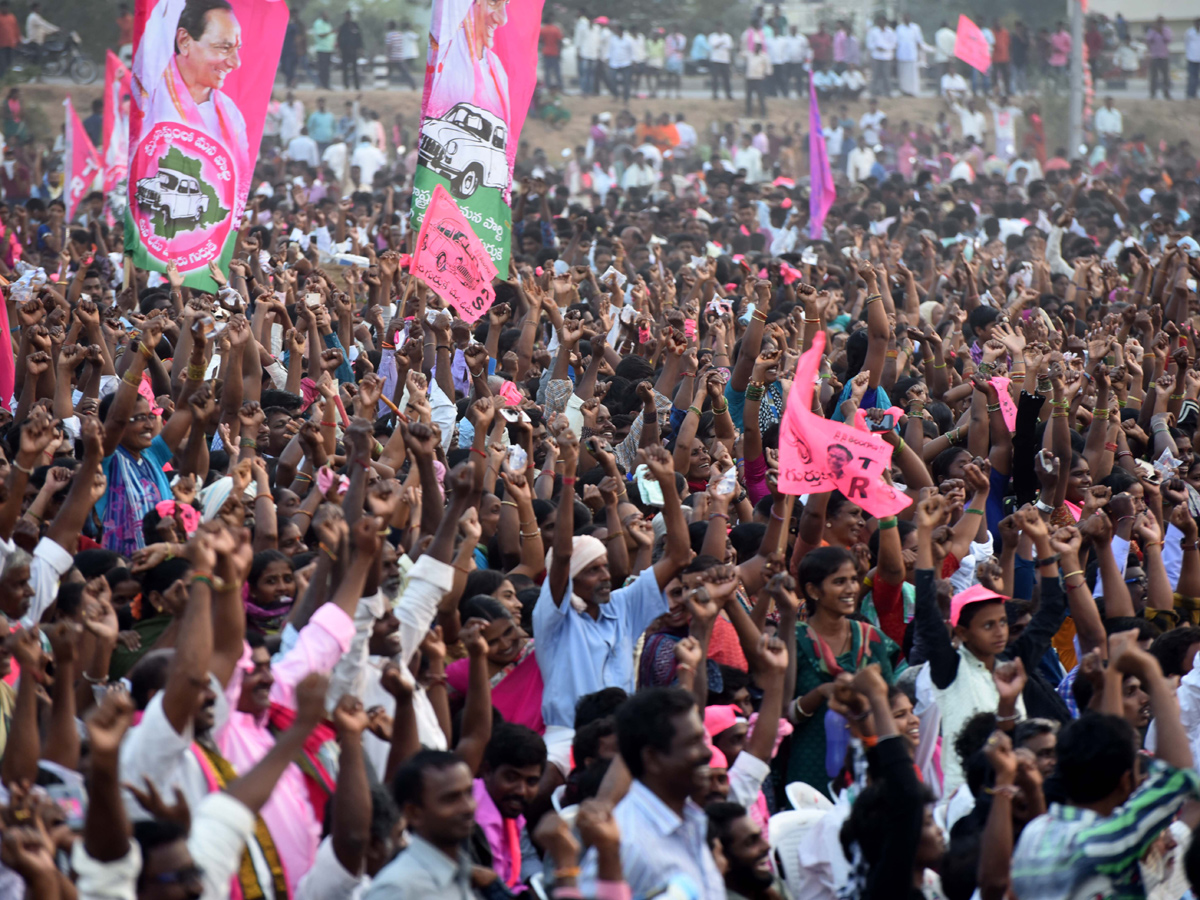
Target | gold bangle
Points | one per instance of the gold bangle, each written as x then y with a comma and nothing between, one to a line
196,372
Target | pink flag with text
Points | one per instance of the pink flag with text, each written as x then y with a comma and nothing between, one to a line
818,455
971,46
452,260
81,162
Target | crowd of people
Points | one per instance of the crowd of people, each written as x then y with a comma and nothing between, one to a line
314,588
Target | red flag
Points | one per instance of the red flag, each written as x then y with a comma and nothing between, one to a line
971,46
451,258
115,142
817,455
81,162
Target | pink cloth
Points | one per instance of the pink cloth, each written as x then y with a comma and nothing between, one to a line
516,692
294,825
488,817
756,479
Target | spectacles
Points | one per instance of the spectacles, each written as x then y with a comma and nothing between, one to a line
140,418
188,874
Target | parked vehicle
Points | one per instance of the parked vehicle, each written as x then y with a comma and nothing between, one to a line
61,54
466,146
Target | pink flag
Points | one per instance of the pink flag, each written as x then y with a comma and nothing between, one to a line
1008,409
115,143
81,162
818,455
821,192
971,46
452,260
8,368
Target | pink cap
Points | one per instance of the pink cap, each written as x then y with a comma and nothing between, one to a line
718,760
601,20
720,718
976,593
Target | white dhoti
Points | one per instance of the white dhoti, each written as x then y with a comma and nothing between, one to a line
907,75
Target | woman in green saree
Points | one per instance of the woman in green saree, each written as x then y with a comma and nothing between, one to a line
828,643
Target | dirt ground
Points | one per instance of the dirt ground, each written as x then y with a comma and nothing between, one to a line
1158,119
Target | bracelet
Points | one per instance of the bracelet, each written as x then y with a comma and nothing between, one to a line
1110,446
779,518
1149,544
973,511
1073,587
1042,506
688,375
384,531
942,366
568,479
694,409
445,347
1011,718
754,393
888,522
33,515
196,372
1072,574
871,299
1124,453
892,354
566,872
144,350
508,503
718,412
90,680
1121,404
264,495
722,515
482,455
204,577
1101,413
478,374
1004,790
132,378
327,551
1051,560
20,468
303,475
901,446
1059,414
533,534
249,443
993,407
1176,396
329,424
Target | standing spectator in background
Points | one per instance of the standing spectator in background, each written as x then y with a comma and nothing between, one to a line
350,44
841,38
758,71
585,52
321,125
943,46
401,50
289,54
822,48
291,118
881,45
323,39
94,124
720,55
797,53
676,45
1093,39
620,62
124,30
1109,125
1018,54
871,123
303,148
1158,47
550,40
10,36
656,59
778,22
1060,55
909,40
1002,56
1191,53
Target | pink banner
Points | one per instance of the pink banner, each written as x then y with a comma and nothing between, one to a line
971,46
818,455
1008,409
822,191
8,368
81,162
201,78
452,260
115,144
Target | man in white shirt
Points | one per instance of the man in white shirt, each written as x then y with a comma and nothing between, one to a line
972,121
337,158
871,123
853,82
620,63
687,134
748,158
291,117
881,44
369,159
909,40
943,43
860,162
720,55
1004,118
796,53
38,29
954,86
1191,53
1109,124
303,149
587,42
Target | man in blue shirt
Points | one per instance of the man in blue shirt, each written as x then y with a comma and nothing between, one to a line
586,631
320,125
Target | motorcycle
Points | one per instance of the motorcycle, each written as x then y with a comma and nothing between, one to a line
59,55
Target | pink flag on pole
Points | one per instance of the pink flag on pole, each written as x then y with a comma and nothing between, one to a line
971,46
818,455
821,192
451,258
115,142
81,162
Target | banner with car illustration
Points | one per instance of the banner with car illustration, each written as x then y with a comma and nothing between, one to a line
451,259
479,79
199,96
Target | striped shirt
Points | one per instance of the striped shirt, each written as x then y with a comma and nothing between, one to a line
1072,853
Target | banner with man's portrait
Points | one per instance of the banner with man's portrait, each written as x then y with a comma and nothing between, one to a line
201,78
479,78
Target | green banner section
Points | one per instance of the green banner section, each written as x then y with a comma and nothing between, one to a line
485,209
197,279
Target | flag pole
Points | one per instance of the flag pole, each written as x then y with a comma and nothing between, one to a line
1075,111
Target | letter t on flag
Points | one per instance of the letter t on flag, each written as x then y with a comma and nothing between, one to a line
971,46
818,455
821,192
